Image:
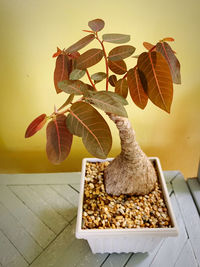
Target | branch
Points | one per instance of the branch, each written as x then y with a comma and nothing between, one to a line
93,85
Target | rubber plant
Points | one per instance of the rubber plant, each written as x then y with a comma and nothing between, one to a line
151,78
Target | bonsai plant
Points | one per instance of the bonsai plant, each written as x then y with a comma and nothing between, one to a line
152,78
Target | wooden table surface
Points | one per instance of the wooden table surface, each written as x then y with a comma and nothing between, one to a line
38,217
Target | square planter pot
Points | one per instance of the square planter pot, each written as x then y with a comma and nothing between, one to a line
125,240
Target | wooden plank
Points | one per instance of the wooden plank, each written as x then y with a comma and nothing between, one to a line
40,178
116,260
38,230
194,186
189,213
172,246
170,175
61,205
47,215
186,257
9,256
18,236
67,193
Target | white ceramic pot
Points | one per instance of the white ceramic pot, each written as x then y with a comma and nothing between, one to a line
125,240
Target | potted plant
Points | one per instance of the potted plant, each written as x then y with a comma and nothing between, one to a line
131,176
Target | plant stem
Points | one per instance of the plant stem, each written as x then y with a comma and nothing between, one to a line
93,85
106,61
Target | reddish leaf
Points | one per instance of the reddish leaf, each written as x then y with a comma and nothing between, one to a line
73,55
156,79
86,122
112,80
148,46
80,44
118,67
59,51
59,140
121,87
167,39
136,90
62,70
121,52
89,58
172,60
96,25
36,125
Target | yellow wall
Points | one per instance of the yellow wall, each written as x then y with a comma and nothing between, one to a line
31,30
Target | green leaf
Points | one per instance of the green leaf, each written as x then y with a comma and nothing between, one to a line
112,80
96,25
72,87
121,52
118,67
116,38
136,89
80,44
89,58
174,65
117,97
59,140
76,74
121,88
86,122
156,79
103,100
67,102
99,76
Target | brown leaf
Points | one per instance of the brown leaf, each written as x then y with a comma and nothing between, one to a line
121,87
172,60
156,79
80,44
59,140
118,67
62,70
72,87
86,122
112,80
36,125
136,90
89,58
96,25
116,38
121,52
148,46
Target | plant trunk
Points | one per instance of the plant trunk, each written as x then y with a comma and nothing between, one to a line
131,172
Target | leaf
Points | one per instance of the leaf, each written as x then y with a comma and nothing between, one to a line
89,87
67,102
136,90
86,122
59,51
148,46
36,125
59,140
89,58
116,38
117,97
72,87
121,87
172,60
103,100
73,55
156,79
62,70
76,74
121,52
118,67
99,76
96,25
112,80
167,39
80,44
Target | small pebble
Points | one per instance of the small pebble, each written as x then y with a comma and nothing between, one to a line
103,211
